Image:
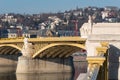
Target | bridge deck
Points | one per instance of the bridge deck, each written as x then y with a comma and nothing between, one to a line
43,39
44,46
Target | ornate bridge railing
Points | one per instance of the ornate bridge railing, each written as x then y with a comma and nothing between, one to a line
98,65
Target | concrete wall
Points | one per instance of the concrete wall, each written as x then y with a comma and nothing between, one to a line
55,65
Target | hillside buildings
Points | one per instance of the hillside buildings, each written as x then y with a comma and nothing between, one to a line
54,24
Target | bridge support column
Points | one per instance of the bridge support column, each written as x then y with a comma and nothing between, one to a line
51,65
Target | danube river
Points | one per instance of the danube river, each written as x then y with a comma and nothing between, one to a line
80,67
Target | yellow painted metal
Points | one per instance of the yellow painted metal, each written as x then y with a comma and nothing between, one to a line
95,59
43,39
58,44
14,51
43,43
67,51
60,51
105,44
8,50
55,50
1,48
11,41
53,39
106,66
102,49
3,51
11,45
94,62
70,53
42,54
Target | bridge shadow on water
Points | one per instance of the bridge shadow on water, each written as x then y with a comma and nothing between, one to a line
8,63
8,68
113,69
65,61
10,57
79,66
60,63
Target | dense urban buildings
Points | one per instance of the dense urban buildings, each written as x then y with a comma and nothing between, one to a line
54,24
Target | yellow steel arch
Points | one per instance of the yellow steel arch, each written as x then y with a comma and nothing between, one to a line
11,45
58,44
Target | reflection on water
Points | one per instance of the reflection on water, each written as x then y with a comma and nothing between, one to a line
65,76
6,76
80,67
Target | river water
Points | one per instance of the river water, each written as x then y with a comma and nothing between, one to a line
80,67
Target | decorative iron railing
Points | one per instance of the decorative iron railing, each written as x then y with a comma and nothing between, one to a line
98,65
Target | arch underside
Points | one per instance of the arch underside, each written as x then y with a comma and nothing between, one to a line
9,50
61,50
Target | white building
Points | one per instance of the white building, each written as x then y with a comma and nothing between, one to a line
9,19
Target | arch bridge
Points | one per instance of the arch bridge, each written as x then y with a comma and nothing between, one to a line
51,54
44,46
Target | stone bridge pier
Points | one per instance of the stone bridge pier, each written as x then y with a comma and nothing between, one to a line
42,55
52,58
44,65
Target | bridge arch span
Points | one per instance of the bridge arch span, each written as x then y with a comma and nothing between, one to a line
9,49
59,49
